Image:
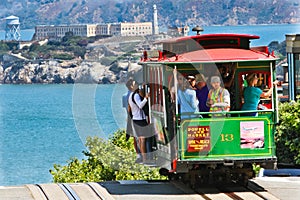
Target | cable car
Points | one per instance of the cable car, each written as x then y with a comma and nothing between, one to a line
201,146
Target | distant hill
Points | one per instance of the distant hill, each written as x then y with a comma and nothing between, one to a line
170,12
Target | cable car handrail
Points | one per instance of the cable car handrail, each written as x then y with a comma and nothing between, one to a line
157,112
226,112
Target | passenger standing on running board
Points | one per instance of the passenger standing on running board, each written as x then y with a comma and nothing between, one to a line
129,129
139,119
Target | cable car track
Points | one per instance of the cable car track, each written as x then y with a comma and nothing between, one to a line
68,191
137,190
227,191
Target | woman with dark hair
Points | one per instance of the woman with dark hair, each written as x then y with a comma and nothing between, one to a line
140,123
253,94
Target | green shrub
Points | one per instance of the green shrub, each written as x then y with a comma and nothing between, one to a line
4,47
63,56
112,159
287,136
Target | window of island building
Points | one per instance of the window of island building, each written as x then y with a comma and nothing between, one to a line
57,32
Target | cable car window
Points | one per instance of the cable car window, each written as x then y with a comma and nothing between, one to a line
264,83
156,87
220,42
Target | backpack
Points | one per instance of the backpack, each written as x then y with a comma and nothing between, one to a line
146,106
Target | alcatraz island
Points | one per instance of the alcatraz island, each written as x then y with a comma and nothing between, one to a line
82,53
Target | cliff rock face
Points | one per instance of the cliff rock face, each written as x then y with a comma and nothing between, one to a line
55,72
106,61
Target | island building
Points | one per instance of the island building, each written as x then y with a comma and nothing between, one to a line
176,31
88,30
53,32
56,32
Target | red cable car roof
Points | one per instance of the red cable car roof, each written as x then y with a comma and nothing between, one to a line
219,55
207,36
223,52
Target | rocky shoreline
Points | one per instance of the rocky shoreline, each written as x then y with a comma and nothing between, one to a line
54,72
104,63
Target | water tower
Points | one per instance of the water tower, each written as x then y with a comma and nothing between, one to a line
12,30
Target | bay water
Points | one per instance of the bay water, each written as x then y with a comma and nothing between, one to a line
42,125
267,33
